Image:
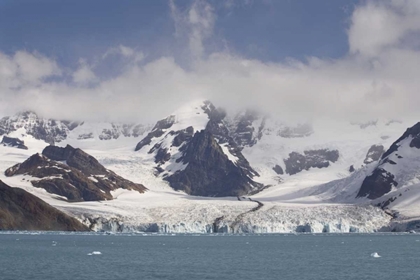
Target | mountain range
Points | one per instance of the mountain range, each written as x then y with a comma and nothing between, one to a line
202,169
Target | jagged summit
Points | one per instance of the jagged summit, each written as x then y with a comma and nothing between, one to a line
54,131
49,130
398,167
194,151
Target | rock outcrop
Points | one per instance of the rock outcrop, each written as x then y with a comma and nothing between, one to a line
374,154
310,159
398,166
13,142
73,174
209,171
20,210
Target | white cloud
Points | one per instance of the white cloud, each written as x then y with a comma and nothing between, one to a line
378,25
84,74
25,68
377,79
196,24
126,52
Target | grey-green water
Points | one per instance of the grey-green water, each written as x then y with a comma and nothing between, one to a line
315,257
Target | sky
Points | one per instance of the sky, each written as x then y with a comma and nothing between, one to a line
137,61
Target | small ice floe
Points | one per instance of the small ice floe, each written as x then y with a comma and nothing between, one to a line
95,253
375,255
54,243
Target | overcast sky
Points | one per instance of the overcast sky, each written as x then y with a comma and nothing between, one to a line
139,60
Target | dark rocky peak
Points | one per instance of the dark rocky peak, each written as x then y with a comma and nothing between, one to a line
179,147
413,132
247,127
157,131
217,127
215,114
377,184
209,172
183,136
20,210
394,170
310,159
374,153
75,158
13,142
71,173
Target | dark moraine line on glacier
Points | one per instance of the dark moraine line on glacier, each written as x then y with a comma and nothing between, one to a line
232,227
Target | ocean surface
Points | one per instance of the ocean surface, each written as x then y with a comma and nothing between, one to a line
40,256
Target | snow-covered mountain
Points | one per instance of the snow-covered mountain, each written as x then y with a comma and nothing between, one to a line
54,131
193,150
210,171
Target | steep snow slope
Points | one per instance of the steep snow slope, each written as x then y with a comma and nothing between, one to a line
351,142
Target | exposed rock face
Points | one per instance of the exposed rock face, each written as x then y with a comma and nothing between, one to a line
209,171
374,154
81,178
157,131
310,159
377,184
278,169
200,160
13,142
244,131
76,158
54,131
49,130
398,166
20,210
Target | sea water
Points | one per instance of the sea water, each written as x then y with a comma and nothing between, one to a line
40,256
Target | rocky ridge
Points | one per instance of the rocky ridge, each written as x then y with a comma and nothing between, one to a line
72,174
398,166
20,210
54,131
203,159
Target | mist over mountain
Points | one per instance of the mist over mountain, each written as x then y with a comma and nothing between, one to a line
376,78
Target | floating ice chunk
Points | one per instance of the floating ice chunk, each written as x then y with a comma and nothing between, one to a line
94,253
375,255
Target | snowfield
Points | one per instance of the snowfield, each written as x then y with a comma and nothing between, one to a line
314,200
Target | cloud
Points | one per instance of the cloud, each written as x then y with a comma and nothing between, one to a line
84,74
196,24
378,25
376,79
126,52
25,68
